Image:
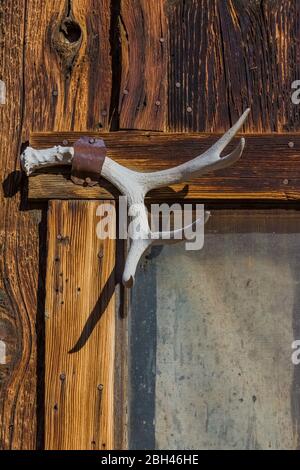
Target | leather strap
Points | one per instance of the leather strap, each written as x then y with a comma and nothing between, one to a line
89,156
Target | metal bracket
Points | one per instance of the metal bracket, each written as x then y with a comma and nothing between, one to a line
89,155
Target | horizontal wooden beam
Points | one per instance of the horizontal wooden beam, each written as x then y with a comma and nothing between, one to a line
268,170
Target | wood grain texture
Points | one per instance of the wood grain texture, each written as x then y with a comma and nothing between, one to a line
18,249
269,168
68,52
66,65
144,62
80,330
58,77
226,56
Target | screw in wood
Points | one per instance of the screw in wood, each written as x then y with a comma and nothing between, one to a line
100,387
55,93
285,181
157,103
189,109
178,85
291,145
65,142
91,140
88,180
62,376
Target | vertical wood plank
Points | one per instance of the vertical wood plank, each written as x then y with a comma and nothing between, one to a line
144,61
56,65
226,56
80,330
19,248
68,57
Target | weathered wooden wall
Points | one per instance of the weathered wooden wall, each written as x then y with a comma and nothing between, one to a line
56,64
97,64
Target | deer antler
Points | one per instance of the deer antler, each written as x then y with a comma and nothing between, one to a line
135,185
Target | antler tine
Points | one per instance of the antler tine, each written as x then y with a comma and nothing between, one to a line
140,246
34,159
208,161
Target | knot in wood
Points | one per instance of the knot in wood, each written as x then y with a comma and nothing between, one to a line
66,41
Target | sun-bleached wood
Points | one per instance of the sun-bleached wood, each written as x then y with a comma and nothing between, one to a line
80,325
135,185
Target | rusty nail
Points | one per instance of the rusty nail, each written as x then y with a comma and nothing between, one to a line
189,109
65,142
100,387
291,145
286,181
62,377
92,140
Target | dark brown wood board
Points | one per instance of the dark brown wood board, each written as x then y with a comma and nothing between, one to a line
268,170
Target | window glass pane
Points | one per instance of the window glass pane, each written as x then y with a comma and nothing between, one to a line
211,338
